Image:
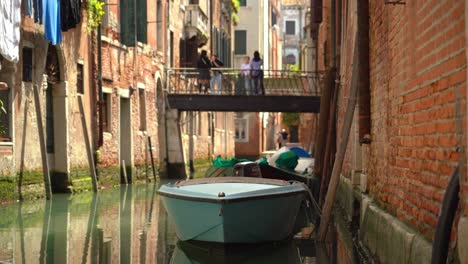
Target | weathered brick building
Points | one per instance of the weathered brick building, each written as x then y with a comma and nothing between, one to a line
408,132
121,81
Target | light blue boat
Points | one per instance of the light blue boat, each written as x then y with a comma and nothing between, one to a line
233,209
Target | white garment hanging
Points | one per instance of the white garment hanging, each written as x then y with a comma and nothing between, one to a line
10,20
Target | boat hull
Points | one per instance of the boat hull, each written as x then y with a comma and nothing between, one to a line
247,220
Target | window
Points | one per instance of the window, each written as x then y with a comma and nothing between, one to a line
159,35
241,128
128,29
5,135
142,21
105,17
243,2
240,42
171,55
142,103
290,27
79,79
27,64
273,17
107,112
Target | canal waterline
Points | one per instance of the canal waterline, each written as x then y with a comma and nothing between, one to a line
127,224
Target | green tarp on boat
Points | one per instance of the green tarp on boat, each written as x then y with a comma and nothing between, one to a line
287,160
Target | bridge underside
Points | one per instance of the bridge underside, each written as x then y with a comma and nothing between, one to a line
243,103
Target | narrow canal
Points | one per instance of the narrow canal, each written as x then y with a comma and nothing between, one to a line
120,225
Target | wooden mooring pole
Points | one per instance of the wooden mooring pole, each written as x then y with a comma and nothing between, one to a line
92,169
40,128
337,166
152,158
124,171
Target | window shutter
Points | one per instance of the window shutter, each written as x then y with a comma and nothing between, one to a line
290,27
240,40
142,21
127,18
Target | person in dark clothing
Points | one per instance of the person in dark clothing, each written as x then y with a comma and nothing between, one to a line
257,73
282,138
217,79
204,65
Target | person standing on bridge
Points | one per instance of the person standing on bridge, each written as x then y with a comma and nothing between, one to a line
204,65
245,75
257,73
217,79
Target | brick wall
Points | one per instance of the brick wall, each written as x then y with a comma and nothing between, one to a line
417,76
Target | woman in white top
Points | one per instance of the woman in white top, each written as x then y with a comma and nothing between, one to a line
245,74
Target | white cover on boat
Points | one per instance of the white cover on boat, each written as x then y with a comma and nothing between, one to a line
274,157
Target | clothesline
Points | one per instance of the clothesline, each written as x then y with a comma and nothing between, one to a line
56,15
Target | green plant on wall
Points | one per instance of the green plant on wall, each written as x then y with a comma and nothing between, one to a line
95,11
235,5
235,18
235,8
291,119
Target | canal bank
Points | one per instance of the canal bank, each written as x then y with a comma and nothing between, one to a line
366,230
30,185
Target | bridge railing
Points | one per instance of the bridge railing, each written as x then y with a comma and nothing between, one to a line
241,82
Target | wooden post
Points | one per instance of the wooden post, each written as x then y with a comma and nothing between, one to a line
40,128
92,169
146,160
152,158
337,166
330,146
322,126
192,168
124,171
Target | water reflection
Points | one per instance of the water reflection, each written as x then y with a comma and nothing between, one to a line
119,225
189,252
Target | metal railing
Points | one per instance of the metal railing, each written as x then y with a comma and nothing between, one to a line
189,81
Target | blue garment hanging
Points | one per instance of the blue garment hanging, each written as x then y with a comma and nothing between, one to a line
28,7
53,31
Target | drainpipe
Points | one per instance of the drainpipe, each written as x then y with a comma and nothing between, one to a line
101,96
333,36
211,27
225,135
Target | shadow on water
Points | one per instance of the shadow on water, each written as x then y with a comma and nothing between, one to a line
120,225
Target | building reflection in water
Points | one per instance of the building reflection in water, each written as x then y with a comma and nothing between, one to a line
118,225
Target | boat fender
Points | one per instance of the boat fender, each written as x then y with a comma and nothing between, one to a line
220,212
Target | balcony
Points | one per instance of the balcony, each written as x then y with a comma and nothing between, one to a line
196,24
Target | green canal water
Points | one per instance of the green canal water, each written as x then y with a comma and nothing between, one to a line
119,225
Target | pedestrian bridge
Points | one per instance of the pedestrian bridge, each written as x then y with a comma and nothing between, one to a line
285,91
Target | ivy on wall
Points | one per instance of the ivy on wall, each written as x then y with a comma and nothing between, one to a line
95,11
291,119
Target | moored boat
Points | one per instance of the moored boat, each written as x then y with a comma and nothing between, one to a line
233,209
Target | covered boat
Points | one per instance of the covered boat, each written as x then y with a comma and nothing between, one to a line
233,209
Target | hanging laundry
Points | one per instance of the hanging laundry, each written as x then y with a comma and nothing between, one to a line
28,7
38,12
53,31
10,19
70,13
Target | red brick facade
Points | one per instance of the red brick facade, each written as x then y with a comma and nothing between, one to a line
418,99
